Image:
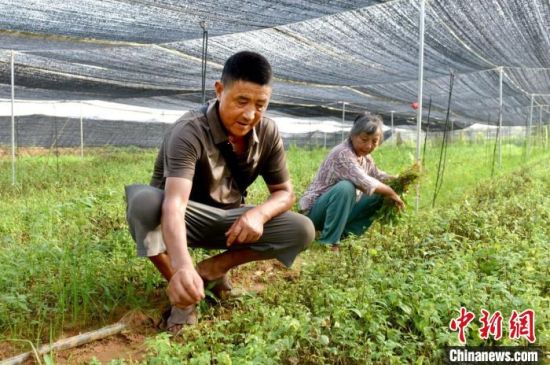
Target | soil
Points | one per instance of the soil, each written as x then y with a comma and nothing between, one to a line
130,343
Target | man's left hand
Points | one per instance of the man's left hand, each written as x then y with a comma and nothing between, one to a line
247,229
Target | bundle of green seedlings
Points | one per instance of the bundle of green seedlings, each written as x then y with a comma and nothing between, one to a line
389,213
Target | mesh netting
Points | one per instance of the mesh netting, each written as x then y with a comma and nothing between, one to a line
363,53
159,21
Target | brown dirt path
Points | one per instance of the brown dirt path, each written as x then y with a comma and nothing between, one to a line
130,344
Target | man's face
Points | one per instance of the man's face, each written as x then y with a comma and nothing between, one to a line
242,105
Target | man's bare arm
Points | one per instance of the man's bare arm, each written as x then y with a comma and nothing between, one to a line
249,227
185,286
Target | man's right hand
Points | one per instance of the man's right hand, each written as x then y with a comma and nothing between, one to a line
185,287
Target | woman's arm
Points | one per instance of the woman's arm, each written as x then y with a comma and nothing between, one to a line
349,168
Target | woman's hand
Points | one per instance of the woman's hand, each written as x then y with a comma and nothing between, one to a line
390,194
397,200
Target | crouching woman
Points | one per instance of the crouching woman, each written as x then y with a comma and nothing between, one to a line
348,188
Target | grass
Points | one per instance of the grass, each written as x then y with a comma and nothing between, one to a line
68,262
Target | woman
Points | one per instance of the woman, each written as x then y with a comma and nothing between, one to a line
348,189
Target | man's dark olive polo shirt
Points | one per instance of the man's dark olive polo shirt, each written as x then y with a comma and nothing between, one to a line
190,151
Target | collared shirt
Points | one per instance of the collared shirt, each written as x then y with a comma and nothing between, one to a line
190,151
342,163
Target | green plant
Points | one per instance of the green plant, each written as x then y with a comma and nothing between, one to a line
389,214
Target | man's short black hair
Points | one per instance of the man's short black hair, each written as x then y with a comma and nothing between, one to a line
247,66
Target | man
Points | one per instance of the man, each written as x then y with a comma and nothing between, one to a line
205,163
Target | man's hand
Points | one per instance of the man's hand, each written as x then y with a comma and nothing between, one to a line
185,287
248,228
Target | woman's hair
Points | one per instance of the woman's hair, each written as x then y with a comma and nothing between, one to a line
367,123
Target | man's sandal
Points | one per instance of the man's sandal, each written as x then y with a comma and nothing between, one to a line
220,288
176,318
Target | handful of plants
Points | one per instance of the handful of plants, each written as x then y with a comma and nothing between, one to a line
388,213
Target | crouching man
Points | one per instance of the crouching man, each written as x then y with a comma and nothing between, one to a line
205,164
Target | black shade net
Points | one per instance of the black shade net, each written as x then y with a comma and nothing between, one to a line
324,54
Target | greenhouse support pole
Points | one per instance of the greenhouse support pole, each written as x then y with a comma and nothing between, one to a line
540,122
343,118
500,71
545,136
528,129
81,134
392,131
420,82
204,54
12,64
